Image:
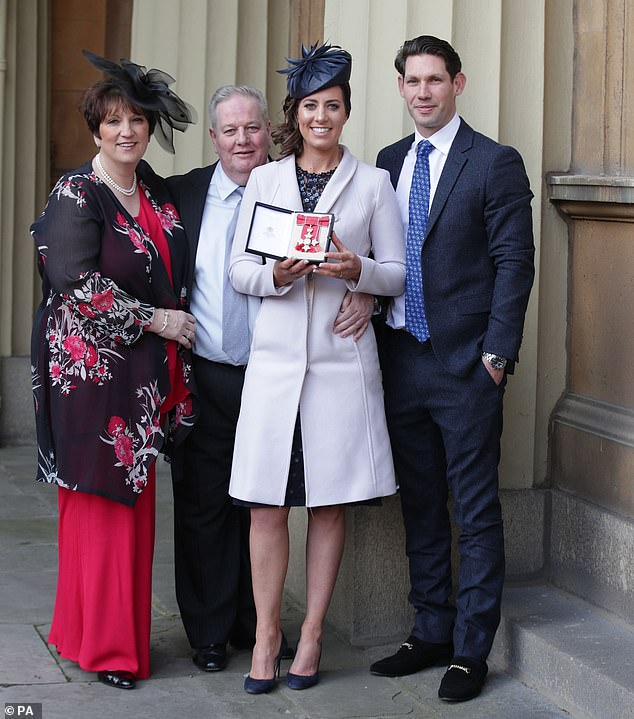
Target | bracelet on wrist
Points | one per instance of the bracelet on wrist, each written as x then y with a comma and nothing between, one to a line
166,316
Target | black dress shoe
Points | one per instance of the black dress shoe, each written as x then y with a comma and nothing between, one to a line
463,680
120,680
412,656
212,658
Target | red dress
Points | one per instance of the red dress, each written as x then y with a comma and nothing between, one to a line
102,612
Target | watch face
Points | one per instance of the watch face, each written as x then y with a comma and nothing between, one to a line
494,360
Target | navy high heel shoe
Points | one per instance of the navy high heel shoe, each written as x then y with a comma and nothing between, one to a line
263,686
301,681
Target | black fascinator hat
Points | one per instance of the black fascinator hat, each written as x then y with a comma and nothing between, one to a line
317,69
149,91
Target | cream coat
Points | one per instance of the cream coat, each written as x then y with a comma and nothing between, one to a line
297,360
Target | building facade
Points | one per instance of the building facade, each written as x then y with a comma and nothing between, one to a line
554,78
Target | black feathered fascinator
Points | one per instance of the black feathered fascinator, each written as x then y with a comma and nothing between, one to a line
148,90
317,69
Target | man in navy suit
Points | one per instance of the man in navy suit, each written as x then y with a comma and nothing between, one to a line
451,340
211,535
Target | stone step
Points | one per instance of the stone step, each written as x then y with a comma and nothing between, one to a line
579,656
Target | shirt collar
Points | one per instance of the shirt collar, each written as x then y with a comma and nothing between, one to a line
223,184
443,138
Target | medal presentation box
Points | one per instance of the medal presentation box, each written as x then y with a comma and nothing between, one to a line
279,233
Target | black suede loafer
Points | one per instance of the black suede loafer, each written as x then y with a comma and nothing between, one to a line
463,679
412,656
212,658
117,679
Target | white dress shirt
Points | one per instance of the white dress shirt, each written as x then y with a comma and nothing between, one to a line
209,274
442,141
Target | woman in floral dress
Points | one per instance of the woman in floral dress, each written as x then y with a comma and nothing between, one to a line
111,361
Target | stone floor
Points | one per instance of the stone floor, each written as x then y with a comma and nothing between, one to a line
31,671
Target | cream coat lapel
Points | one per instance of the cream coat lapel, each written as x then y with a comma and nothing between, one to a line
338,182
287,179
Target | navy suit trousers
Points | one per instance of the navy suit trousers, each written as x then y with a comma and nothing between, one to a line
445,432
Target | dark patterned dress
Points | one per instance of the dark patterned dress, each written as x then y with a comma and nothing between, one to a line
311,186
99,379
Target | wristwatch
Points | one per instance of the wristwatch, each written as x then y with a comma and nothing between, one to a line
495,361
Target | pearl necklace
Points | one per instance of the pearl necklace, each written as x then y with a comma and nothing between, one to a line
112,183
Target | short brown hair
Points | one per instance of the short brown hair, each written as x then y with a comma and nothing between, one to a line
103,97
429,45
287,135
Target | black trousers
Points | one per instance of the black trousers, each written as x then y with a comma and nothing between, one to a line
211,535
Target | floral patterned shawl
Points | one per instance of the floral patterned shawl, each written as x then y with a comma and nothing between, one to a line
99,379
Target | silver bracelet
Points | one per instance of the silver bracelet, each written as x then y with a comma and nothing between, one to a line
166,316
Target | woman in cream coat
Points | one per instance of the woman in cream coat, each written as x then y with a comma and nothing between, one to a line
296,359
297,363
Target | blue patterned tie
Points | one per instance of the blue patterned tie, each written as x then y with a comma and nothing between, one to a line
415,319
235,322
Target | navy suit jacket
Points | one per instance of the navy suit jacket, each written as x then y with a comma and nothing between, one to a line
478,253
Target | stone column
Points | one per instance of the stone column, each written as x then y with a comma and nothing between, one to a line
204,45
23,189
593,428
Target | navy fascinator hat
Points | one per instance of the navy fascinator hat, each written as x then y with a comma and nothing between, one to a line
317,69
149,90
